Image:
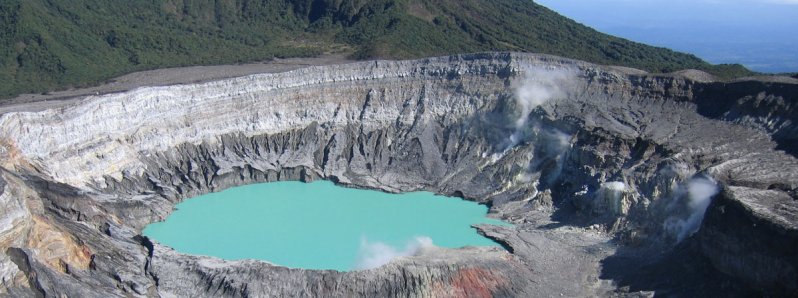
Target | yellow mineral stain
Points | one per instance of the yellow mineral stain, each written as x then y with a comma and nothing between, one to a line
56,248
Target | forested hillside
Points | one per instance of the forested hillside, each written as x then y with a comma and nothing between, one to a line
56,44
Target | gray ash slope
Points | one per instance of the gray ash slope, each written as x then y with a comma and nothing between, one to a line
598,178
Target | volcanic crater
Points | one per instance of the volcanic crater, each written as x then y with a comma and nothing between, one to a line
617,182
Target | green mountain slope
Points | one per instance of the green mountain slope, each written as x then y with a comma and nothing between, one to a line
52,44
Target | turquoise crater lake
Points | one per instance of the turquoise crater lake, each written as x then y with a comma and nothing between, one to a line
319,225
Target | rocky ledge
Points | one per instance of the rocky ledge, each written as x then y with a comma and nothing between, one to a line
619,182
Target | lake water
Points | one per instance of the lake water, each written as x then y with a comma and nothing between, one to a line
318,225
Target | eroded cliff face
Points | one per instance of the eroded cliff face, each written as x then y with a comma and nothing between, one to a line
597,169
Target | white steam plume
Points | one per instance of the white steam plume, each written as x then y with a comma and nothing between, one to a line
699,193
539,86
611,194
552,145
375,254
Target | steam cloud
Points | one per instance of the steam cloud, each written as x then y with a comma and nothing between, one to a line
610,194
615,186
375,254
538,86
699,193
552,145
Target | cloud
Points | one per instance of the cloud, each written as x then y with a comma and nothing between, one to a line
375,254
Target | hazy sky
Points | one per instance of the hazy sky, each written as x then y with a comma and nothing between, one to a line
761,34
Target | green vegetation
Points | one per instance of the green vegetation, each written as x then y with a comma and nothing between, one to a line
56,44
